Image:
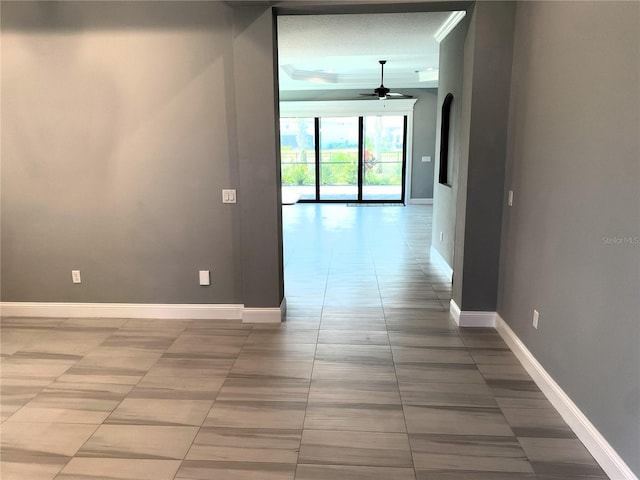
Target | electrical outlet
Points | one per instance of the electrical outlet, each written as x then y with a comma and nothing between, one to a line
536,316
205,277
441,236
510,198
75,276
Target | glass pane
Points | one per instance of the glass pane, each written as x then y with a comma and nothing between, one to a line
383,148
298,159
339,158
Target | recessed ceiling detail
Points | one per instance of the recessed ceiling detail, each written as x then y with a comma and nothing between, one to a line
318,52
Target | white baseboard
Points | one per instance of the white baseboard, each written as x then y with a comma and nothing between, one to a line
439,261
471,319
420,201
143,310
592,439
264,315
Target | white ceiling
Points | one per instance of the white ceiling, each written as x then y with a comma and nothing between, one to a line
324,52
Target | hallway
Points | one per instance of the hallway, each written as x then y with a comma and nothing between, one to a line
445,403
367,379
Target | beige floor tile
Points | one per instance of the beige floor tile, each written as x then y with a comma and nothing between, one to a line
353,337
352,416
255,414
452,394
537,422
282,336
424,340
264,388
354,391
152,411
22,438
560,456
355,448
262,365
323,370
349,472
420,355
456,420
35,468
214,346
182,365
119,469
30,367
246,445
354,354
468,452
118,361
139,441
208,470
439,372
178,387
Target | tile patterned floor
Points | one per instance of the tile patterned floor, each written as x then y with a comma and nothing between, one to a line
367,379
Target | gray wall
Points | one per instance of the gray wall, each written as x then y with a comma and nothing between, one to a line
258,127
469,213
424,142
118,133
424,129
487,76
573,163
444,196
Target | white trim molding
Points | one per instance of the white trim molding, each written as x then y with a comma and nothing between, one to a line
122,310
439,261
264,315
471,319
602,451
144,310
347,108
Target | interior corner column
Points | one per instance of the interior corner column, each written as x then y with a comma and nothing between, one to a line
259,177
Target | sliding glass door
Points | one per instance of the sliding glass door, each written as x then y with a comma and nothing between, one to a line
383,159
338,159
298,159
339,154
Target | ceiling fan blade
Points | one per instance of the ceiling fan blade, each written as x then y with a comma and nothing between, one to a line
369,94
398,95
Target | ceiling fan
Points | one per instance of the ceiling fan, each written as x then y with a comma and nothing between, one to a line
383,92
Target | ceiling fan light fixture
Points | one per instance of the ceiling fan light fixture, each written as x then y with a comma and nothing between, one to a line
449,24
383,92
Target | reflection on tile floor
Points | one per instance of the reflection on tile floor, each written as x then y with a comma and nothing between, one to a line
368,379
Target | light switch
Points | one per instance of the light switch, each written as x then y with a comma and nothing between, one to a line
228,196
426,158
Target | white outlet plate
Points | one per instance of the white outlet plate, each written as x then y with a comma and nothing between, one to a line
510,199
536,317
441,236
426,158
75,276
205,277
